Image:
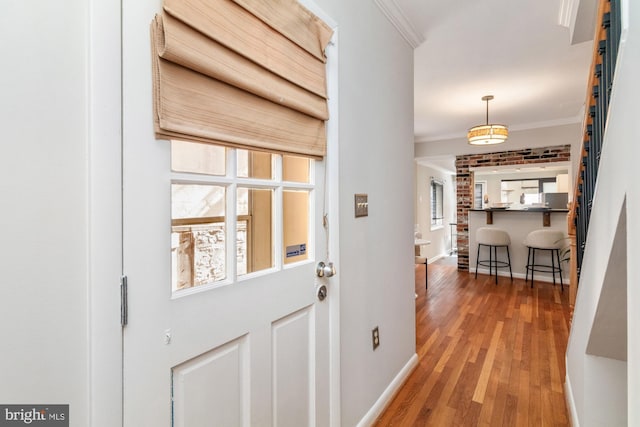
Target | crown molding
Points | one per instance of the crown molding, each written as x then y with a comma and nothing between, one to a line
395,15
566,12
422,139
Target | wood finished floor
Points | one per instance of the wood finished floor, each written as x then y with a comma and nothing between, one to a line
488,355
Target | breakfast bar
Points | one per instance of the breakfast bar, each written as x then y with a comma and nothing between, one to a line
518,223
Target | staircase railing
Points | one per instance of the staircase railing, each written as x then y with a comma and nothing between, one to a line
605,53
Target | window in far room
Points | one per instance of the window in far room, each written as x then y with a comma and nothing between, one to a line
436,204
479,192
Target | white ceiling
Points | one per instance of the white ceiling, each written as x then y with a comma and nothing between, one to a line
516,50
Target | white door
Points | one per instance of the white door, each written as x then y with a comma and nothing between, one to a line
220,252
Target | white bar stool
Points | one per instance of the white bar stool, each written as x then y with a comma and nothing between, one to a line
544,240
493,238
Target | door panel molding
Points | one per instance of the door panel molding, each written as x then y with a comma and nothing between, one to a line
197,401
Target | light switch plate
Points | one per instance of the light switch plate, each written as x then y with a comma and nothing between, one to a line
361,205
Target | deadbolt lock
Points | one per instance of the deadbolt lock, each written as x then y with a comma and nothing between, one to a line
322,292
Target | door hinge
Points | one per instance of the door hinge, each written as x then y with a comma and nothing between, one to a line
124,304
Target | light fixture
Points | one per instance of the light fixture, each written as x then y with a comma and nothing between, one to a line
488,133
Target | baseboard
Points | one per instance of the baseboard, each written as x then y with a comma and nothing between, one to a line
389,393
571,405
435,258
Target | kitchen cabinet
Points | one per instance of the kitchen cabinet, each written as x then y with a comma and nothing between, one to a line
562,181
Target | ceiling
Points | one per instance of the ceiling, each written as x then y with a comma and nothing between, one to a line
525,53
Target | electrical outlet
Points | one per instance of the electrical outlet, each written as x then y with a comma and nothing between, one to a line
375,337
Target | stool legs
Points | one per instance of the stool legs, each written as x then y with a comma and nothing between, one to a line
533,262
531,265
491,262
509,260
526,277
553,268
559,270
426,274
478,261
494,264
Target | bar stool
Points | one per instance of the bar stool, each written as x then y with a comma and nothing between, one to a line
544,240
493,238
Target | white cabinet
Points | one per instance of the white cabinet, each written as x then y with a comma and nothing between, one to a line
562,180
510,185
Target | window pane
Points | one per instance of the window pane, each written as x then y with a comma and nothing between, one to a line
197,255
242,206
436,203
255,230
295,169
296,225
255,164
197,201
198,158
197,235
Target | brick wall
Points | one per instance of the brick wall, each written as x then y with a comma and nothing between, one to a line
464,182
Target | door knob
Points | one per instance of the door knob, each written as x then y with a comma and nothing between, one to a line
325,270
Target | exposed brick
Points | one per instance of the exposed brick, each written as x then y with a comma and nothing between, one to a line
464,177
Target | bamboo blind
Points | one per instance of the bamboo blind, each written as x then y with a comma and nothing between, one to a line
241,73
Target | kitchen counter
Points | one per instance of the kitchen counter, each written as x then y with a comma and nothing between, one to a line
518,223
546,213
520,210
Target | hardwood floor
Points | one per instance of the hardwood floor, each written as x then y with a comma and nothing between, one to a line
488,355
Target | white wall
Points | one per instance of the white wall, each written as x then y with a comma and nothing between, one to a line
44,185
440,237
376,157
616,180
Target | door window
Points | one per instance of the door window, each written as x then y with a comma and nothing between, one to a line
265,198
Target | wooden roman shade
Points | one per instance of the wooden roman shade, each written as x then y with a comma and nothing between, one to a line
242,73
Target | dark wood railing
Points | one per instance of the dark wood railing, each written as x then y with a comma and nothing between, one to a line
606,42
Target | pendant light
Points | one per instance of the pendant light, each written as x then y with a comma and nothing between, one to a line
488,133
